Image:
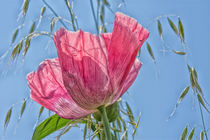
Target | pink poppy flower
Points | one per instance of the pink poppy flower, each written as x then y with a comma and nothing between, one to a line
90,70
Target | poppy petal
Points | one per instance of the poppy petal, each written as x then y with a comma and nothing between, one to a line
83,59
127,38
107,38
47,89
131,77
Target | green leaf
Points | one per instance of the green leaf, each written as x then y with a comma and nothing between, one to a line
52,25
191,134
15,51
149,49
181,97
173,26
40,111
184,134
43,11
32,27
106,2
119,124
102,14
70,9
160,30
189,68
202,102
7,118
192,82
27,45
125,128
115,131
178,52
20,46
137,124
49,126
25,6
201,135
14,36
130,115
183,94
22,108
195,75
181,30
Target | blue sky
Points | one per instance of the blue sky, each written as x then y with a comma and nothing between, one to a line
157,87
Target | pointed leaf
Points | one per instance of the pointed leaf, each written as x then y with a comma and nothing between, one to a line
14,36
178,52
124,128
202,102
183,94
189,68
181,97
137,124
130,114
181,30
191,134
195,75
20,46
149,49
192,81
119,124
52,24
15,51
43,11
25,6
160,30
32,27
201,135
7,118
102,14
173,26
49,126
40,111
115,131
27,45
22,108
106,2
184,134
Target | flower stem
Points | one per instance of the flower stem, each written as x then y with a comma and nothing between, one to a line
204,127
105,120
53,11
94,16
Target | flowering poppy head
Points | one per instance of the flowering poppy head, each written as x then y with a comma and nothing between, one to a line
91,70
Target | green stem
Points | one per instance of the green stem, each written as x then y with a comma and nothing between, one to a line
94,16
102,135
51,9
71,14
105,120
204,127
